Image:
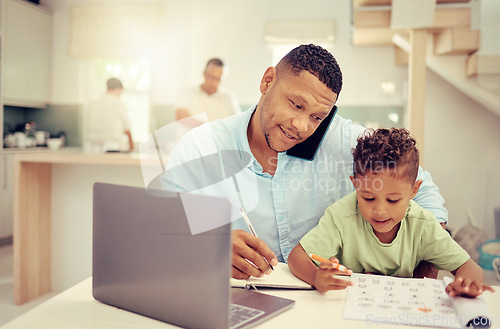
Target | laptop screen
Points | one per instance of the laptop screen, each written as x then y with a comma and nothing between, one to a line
146,260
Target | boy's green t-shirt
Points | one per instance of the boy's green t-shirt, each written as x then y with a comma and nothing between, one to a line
342,232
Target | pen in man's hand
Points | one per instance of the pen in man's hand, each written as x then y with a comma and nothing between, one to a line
249,224
247,220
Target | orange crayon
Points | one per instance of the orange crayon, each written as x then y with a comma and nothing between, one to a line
321,260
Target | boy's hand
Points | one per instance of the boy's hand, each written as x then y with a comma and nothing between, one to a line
467,287
325,277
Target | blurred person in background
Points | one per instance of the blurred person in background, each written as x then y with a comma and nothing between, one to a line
207,98
108,124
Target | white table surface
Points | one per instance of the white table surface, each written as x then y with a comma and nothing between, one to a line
76,308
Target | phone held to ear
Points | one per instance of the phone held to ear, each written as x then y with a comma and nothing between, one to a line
307,149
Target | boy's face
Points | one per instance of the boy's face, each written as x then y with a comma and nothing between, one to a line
383,200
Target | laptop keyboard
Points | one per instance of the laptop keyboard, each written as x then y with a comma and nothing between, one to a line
239,315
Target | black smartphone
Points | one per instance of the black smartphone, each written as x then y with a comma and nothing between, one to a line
308,148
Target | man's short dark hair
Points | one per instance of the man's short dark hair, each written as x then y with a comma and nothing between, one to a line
114,83
382,149
317,61
215,61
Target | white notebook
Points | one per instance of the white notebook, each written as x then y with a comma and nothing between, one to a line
281,278
379,299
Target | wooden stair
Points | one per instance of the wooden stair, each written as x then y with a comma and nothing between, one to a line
447,33
451,32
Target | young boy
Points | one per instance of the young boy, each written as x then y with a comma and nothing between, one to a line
378,228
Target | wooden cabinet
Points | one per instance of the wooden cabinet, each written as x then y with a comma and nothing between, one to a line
26,54
6,196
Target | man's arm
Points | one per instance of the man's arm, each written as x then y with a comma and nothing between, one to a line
184,173
181,113
428,197
130,140
184,115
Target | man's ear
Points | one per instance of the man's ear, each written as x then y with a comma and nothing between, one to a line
415,188
268,79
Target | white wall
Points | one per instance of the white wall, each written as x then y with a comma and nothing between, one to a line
197,29
462,138
490,25
233,30
462,153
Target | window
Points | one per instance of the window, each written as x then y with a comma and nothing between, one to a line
280,50
113,40
284,35
135,76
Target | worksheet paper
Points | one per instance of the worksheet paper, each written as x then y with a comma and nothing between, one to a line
379,299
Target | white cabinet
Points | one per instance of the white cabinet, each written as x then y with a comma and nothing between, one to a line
6,196
26,54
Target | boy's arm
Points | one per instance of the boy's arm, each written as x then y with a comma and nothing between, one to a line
322,277
301,265
468,281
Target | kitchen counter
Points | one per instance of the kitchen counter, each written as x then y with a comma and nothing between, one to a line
14,150
33,208
77,156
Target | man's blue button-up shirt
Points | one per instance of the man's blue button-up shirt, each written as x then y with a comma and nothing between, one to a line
283,207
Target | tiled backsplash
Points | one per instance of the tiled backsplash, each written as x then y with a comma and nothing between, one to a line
68,118
54,119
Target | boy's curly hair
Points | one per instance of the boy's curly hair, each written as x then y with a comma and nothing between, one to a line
383,149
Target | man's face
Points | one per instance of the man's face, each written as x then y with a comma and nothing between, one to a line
292,107
212,75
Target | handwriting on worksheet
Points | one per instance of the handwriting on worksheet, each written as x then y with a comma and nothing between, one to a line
384,299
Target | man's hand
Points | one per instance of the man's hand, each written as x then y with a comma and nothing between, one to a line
251,256
130,140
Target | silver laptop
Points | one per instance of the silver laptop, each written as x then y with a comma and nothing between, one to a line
146,260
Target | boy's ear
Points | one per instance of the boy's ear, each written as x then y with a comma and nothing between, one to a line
268,79
415,188
352,180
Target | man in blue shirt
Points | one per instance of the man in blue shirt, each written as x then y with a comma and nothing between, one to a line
284,195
